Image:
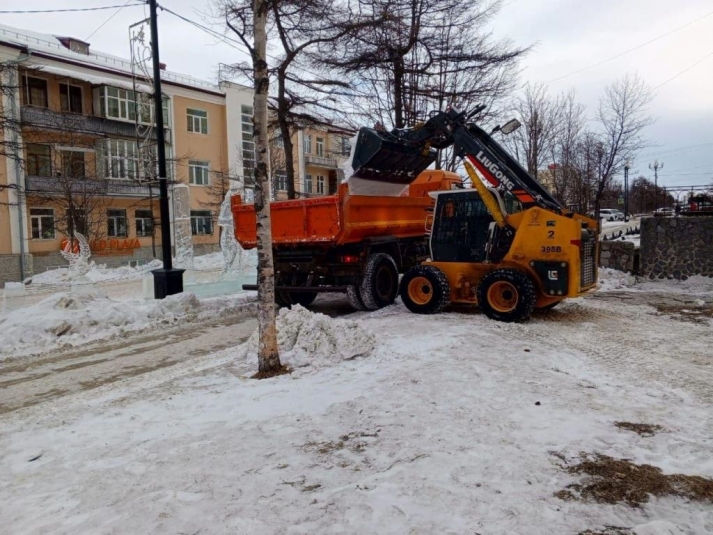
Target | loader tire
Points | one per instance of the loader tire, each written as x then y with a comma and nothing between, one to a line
425,290
354,299
507,295
380,283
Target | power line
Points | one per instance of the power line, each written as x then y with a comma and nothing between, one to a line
637,47
684,71
107,20
67,10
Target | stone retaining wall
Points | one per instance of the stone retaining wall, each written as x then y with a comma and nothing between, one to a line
11,270
617,255
676,247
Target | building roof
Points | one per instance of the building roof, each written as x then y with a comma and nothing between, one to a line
52,47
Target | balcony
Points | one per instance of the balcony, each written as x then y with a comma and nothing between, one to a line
44,118
101,187
319,161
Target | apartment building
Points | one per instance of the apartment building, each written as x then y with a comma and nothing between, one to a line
78,153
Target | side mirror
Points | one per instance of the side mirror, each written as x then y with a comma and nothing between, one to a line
510,126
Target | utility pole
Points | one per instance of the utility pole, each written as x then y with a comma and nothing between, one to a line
167,280
627,166
655,167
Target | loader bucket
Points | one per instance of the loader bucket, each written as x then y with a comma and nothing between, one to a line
378,158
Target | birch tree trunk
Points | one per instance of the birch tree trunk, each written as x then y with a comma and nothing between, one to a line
268,355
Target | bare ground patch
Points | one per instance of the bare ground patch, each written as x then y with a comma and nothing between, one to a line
645,430
688,313
607,530
620,480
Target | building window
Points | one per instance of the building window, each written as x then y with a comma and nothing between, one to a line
279,141
280,180
70,98
121,104
308,184
42,220
144,223
201,222
116,224
308,144
197,121
76,221
198,173
246,120
72,164
39,160
34,92
320,147
344,146
320,184
121,159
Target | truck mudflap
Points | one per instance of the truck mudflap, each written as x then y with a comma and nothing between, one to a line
378,157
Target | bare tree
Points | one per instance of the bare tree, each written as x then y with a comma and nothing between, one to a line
268,354
622,117
302,98
568,135
426,54
534,143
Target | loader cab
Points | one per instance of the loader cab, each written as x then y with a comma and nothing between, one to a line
462,225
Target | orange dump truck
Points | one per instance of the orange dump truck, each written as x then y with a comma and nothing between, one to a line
356,244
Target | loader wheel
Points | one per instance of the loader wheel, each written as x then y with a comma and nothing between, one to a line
354,298
380,283
425,290
507,295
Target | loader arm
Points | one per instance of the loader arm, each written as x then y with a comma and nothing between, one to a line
398,154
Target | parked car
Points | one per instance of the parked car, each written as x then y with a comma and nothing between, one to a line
663,212
611,215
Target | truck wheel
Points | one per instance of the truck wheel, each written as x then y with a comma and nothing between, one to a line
355,299
425,290
380,283
507,295
302,298
287,299
282,298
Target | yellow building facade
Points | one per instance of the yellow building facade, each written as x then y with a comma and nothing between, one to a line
79,154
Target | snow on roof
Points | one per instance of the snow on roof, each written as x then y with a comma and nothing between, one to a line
51,45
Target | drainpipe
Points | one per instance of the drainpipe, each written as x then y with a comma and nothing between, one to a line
18,176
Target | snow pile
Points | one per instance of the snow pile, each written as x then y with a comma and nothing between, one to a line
96,273
72,318
312,339
613,279
208,261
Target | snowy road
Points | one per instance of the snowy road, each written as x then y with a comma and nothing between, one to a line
448,426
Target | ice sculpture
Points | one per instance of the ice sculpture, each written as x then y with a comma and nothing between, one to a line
183,240
77,253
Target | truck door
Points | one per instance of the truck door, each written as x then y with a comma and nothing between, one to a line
460,228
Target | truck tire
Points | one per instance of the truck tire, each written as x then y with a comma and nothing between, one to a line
425,290
507,295
354,299
287,299
380,283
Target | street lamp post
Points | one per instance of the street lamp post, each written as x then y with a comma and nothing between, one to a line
167,280
655,167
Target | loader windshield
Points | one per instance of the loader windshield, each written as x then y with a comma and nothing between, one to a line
512,204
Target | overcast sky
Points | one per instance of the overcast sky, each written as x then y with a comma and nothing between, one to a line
568,36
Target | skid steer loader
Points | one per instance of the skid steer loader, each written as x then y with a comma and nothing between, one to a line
509,247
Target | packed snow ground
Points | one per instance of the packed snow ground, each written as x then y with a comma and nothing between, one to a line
445,424
70,319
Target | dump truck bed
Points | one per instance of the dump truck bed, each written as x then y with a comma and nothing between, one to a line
344,218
